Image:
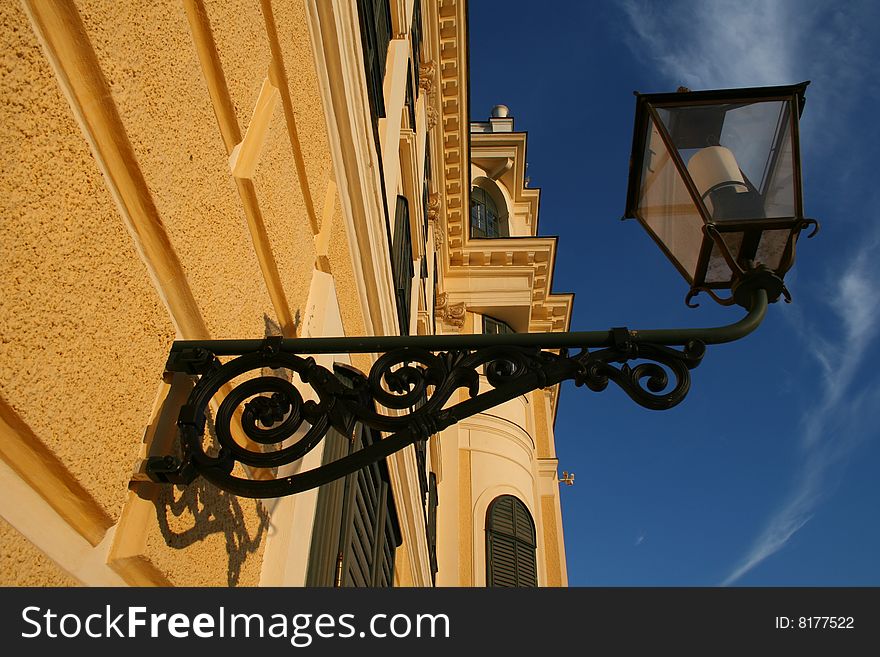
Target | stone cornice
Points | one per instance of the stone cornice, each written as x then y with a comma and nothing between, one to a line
498,257
453,122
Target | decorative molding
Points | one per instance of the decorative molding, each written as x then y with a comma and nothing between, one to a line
433,206
454,124
230,131
432,116
246,153
71,56
451,313
427,77
438,235
36,465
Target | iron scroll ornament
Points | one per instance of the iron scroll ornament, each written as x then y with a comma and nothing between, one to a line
406,394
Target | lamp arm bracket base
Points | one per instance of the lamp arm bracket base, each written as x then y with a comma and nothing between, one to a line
744,287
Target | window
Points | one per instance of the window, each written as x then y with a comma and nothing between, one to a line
432,524
375,26
356,529
402,263
510,544
375,18
410,101
416,36
492,326
485,219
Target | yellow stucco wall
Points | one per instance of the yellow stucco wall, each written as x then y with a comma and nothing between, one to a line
86,332
346,285
551,541
201,536
147,55
542,434
21,564
296,48
85,329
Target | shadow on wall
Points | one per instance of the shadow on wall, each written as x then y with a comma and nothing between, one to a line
189,515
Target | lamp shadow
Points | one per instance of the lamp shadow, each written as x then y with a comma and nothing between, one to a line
202,510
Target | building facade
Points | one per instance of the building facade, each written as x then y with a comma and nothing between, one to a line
194,169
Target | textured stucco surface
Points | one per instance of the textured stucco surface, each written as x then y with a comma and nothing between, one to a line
240,36
148,57
84,335
344,277
284,215
551,541
299,62
21,564
205,537
539,404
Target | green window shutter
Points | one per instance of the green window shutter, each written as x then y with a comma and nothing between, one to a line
510,544
356,530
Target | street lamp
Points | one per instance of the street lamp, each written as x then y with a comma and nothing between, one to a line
714,178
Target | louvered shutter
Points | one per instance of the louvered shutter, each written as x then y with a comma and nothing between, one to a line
510,544
356,530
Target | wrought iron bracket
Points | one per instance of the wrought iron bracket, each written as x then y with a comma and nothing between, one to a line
261,421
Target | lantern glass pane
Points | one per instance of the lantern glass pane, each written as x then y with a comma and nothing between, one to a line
739,156
771,249
665,205
718,270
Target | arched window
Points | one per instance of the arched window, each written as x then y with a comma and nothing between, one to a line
486,221
510,544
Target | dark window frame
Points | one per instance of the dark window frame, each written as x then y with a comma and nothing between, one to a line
402,268
486,221
416,39
375,24
410,100
492,326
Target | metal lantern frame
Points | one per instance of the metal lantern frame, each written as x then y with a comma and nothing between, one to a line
647,115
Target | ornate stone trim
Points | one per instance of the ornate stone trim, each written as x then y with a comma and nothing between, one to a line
427,75
433,207
451,314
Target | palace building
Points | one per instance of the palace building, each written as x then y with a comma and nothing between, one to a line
207,169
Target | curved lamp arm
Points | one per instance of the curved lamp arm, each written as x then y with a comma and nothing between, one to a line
406,394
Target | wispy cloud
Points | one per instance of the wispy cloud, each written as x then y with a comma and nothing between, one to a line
639,540
831,429
715,44
708,44
735,43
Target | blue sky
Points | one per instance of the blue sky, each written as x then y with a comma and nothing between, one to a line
767,474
